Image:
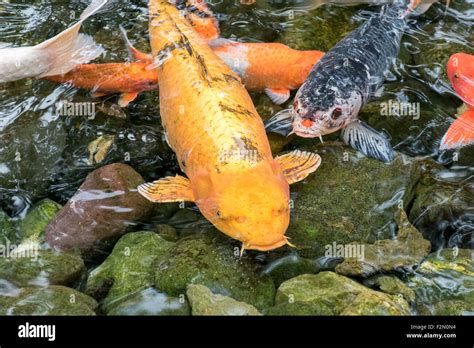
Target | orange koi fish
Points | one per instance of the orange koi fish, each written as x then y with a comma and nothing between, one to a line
272,68
460,71
129,79
219,139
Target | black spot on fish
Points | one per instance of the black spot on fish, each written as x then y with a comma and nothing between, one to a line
237,110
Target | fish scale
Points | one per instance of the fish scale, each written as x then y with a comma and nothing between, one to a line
366,53
212,82
210,120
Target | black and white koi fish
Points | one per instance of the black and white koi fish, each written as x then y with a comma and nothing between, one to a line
344,80
55,56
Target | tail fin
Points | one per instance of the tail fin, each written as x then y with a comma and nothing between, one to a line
69,48
460,133
133,53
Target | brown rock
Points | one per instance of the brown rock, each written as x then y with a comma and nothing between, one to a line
102,208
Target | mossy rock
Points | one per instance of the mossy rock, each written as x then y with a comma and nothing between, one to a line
446,275
328,293
290,266
200,259
35,267
434,49
127,270
319,29
414,134
405,251
52,300
7,230
350,198
151,302
35,222
391,285
441,208
204,302
166,232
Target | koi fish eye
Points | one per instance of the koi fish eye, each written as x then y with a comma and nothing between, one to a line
336,113
456,75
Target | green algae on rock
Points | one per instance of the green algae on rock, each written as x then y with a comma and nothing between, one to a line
7,230
434,49
441,209
151,302
290,266
204,302
52,300
166,232
200,259
406,250
328,293
319,29
35,222
446,275
350,198
42,268
128,269
391,285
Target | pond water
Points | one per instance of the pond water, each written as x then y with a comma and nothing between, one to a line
45,157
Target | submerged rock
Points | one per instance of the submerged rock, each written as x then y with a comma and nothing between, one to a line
290,266
41,268
391,285
166,232
127,270
7,230
407,249
200,259
204,302
350,198
328,293
102,209
53,300
34,224
436,43
442,209
445,278
319,29
151,302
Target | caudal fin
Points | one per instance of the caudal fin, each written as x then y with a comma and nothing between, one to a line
133,53
460,133
69,48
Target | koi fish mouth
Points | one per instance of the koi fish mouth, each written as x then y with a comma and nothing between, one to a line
305,134
267,247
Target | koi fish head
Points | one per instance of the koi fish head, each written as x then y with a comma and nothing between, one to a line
251,206
460,70
324,111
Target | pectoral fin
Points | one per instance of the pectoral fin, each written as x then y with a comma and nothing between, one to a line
98,94
127,98
169,189
367,140
278,96
280,123
460,133
297,165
